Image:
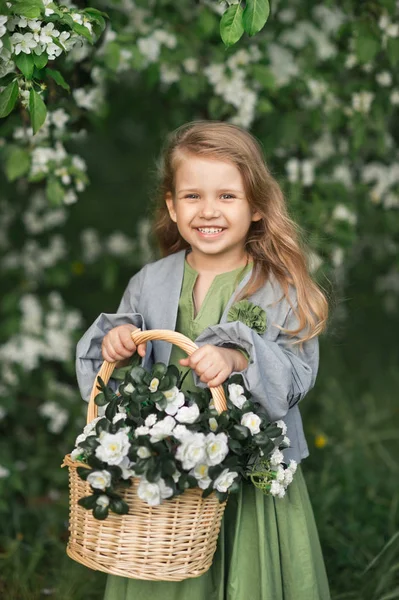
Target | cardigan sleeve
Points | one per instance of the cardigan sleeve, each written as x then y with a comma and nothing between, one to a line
88,352
278,374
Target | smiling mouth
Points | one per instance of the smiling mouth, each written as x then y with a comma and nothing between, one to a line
210,230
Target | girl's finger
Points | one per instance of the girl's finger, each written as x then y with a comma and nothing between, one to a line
142,348
218,380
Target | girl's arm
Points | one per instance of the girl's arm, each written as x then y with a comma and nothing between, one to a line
278,374
88,352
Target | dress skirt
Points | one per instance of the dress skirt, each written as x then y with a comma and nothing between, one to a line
268,549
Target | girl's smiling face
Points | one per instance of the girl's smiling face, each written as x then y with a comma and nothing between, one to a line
210,208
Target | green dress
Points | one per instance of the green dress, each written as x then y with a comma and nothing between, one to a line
268,549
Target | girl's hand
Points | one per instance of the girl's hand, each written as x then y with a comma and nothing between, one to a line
118,345
214,365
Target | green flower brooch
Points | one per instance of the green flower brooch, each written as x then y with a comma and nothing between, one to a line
250,314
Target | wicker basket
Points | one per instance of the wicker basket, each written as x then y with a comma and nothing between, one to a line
173,541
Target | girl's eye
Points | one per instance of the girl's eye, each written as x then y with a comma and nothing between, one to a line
191,196
230,196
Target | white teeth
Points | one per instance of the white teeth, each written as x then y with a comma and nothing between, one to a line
209,230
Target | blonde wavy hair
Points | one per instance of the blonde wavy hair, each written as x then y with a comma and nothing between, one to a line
274,243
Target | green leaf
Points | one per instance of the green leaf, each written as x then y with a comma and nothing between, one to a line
100,399
255,15
55,195
240,432
8,98
83,472
137,374
32,9
112,55
119,506
159,370
40,60
25,64
82,30
231,25
393,50
17,163
367,43
88,501
58,78
38,112
100,512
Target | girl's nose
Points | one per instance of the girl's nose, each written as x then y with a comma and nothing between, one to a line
209,210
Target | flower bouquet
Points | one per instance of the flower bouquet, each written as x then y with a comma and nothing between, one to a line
166,444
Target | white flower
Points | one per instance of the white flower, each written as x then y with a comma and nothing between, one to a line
384,78
224,481
59,117
280,474
103,501
181,432
362,101
282,426
288,476
200,472
236,394
166,491
188,414
162,429
64,36
142,430
47,33
277,489
192,450
143,452
153,493
276,457
149,492
113,447
293,466
70,198
150,420
394,97
175,400
90,427
118,417
216,448
190,65
99,479
23,43
252,421
125,466
4,472
342,213
154,385
129,388
213,424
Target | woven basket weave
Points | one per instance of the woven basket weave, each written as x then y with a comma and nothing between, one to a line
173,541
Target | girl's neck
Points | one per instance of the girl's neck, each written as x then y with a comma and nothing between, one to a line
214,265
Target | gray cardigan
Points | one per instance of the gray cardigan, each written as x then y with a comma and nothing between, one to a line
278,375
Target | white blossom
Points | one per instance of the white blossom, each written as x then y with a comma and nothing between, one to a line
277,489
188,414
162,429
23,43
217,448
154,384
191,450
150,420
142,430
102,501
143,452
252,421
113,447
342,213
200,472
384,78
175,399
224,480
99,479
213,424
276,457
362,101
236,394
4,472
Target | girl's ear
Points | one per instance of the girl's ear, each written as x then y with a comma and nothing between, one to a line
256,216
171,206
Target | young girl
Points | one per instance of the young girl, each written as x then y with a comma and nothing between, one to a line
225,235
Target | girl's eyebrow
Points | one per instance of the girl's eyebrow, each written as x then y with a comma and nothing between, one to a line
221,190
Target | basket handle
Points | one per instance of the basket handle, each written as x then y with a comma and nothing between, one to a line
139,337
